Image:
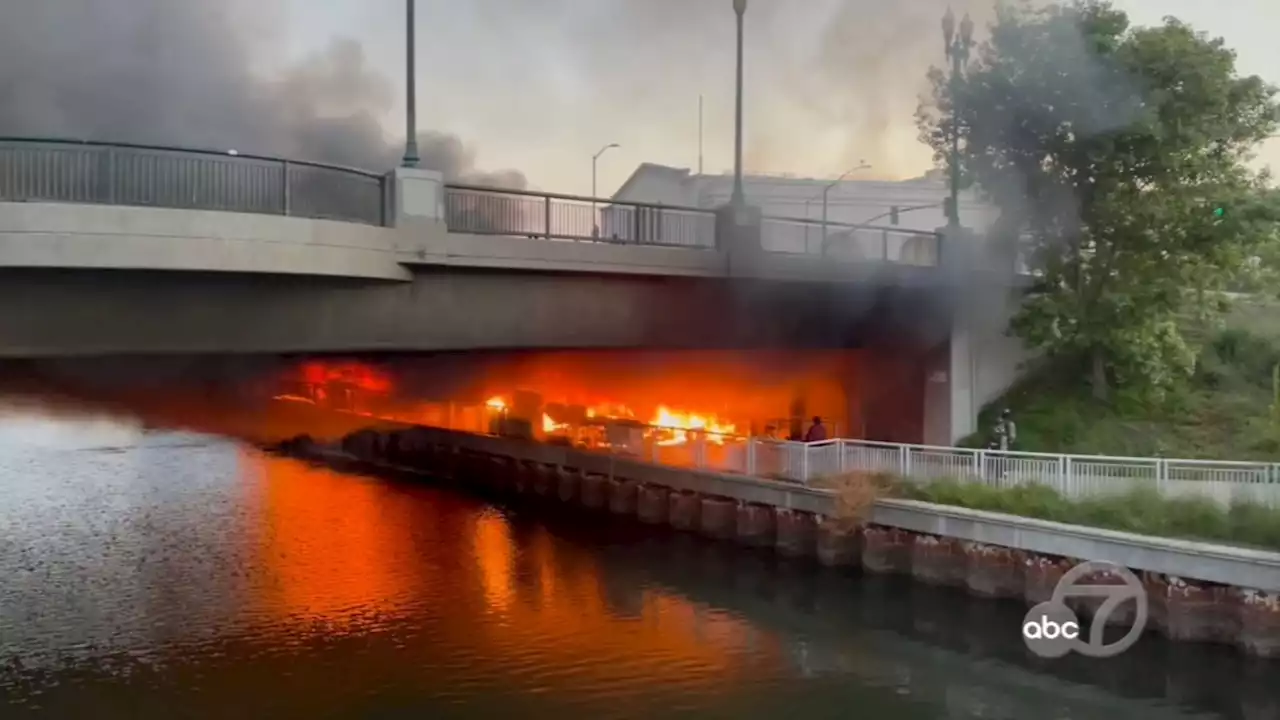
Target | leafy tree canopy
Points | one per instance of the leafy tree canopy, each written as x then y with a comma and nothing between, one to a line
1119,154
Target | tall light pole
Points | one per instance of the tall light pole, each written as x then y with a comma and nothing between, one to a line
595,158
411,87
958,47
739,197
595,221
826,192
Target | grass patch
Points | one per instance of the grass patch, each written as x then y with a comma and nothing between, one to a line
1224,411
1143,511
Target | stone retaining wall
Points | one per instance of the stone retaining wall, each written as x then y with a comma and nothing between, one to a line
1179,608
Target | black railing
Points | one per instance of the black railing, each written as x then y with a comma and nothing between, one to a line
43,170
520,213
848,241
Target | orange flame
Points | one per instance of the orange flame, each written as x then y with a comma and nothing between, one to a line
668,419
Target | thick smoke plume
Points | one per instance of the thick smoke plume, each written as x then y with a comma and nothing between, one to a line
182,72
829,82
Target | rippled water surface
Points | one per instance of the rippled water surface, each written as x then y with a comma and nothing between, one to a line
156,574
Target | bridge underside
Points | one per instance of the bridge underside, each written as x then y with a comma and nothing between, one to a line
52,313
79,317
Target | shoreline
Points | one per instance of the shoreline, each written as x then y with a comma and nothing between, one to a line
1198,592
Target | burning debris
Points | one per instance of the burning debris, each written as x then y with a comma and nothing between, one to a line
695,409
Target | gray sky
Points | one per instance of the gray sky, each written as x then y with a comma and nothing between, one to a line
532,85
542,86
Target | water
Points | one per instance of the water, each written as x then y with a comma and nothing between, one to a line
162,574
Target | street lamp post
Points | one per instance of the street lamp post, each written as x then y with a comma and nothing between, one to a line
411,88
739,197
957,47
826,191
595,158
595,221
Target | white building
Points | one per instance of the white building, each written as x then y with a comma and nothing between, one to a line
849,201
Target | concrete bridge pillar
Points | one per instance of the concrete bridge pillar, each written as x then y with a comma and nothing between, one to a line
980,358
416,201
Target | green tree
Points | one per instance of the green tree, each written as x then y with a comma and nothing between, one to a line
1261,275
1108,150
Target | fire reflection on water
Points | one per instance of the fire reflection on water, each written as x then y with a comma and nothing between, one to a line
344,555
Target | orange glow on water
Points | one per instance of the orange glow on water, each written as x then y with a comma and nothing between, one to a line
344,553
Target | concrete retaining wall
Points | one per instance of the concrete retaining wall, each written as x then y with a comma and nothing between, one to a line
1197,592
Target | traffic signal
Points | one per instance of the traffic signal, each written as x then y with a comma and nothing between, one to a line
1219,211
893,215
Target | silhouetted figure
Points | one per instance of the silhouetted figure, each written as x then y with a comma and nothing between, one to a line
1006,430
817,431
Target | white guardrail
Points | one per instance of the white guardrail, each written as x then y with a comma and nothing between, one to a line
1074,476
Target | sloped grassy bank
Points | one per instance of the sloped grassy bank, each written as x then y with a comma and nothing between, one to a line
1229,409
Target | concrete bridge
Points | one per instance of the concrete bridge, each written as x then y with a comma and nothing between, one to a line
114,249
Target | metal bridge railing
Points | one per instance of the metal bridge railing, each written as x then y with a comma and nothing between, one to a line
41,170
850,242
519,213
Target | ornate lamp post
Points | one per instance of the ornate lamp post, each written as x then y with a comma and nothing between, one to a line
958,47
411,88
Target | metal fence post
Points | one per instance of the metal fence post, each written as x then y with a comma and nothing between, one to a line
546,211
840,463
1068,477
903,463
110,178
980,465
384,187
285,188
636,229
804,463
751,456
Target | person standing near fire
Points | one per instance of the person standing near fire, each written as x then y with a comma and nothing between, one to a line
817,431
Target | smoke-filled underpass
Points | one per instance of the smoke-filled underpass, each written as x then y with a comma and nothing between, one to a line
875,394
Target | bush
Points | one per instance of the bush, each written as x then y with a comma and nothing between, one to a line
856,494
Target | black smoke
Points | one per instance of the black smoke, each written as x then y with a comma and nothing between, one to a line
182,72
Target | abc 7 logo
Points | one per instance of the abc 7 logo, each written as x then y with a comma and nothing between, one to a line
1052,630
